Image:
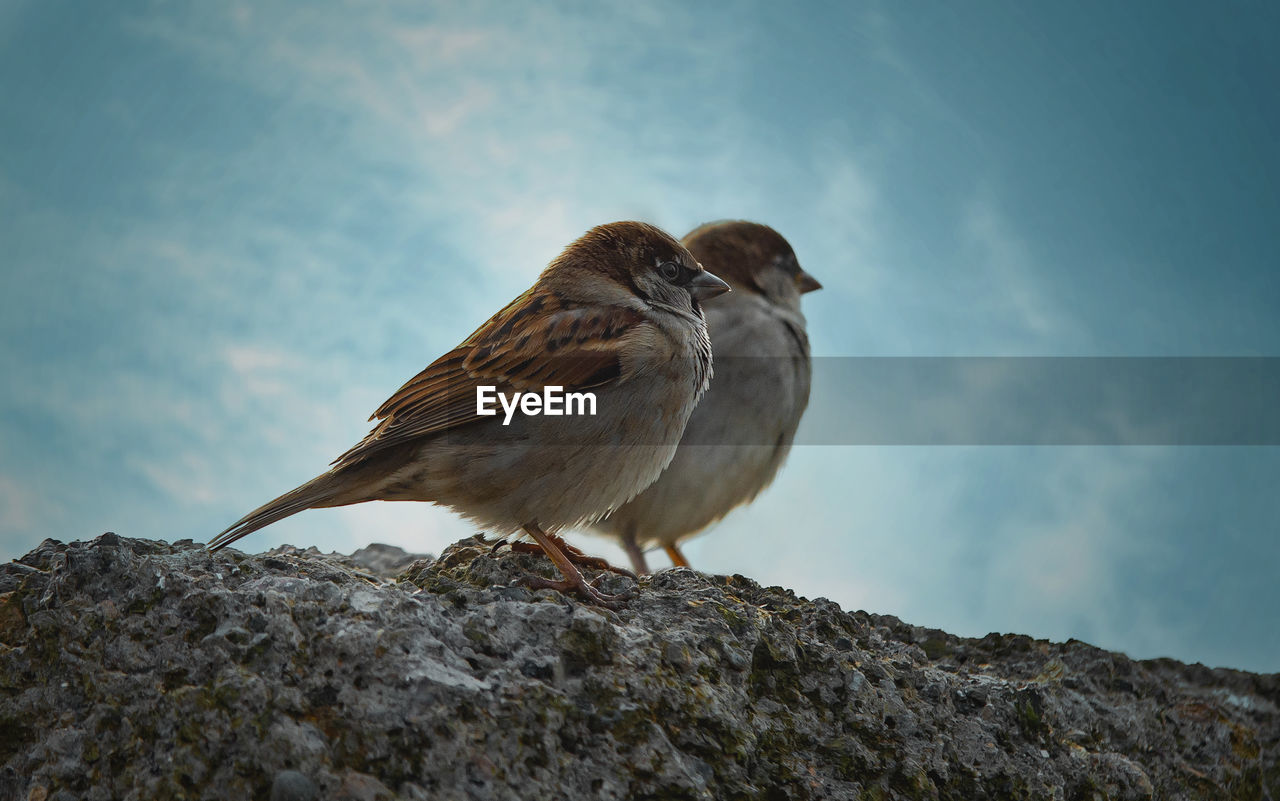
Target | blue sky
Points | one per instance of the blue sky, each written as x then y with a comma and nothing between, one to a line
231,230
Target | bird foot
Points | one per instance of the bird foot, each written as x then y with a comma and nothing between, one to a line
560,554
574,555
674,554
635,553
581,586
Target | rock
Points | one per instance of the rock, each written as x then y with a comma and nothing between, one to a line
290,785
385,561
132,669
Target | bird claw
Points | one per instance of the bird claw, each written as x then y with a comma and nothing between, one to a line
587,590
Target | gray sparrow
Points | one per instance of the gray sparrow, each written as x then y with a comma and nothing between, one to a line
741,431
618,316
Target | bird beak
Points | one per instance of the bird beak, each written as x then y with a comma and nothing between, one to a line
705,286
806,283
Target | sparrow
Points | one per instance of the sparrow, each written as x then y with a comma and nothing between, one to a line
617,314
741,431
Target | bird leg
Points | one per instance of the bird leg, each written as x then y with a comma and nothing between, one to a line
572,554
634,551
677,558
573,578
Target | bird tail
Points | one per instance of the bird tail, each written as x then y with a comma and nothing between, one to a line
323,490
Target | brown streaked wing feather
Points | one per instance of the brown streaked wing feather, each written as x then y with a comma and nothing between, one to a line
536,341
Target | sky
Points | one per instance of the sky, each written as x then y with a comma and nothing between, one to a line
229,231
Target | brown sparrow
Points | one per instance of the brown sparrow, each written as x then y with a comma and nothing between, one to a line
617,314
741,431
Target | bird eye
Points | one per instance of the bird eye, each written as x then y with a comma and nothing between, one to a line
669,270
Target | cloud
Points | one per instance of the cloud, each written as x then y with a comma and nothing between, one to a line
849,226
1008,271
412,84
185,477
504,126
257,371
885,46
15,508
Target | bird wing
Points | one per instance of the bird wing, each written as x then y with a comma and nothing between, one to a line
537,340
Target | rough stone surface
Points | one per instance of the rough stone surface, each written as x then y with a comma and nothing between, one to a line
132,669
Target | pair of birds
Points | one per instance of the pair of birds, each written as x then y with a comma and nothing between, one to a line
620,314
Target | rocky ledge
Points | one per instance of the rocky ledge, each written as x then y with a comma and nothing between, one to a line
132,669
